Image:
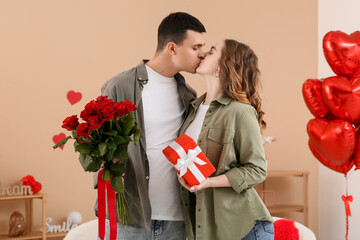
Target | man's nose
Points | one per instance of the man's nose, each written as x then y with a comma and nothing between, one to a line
201,55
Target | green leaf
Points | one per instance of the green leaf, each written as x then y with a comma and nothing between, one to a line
73,132
95,153
121,153
62,142
106,175
102,148
75,145
111,145
127,138
82,157
110,154
117,184
118,128
129,123
83,148
88,163
117,169
111,149
119,140
137,136
111,133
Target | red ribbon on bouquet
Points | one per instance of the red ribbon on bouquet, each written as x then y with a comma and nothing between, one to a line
105,186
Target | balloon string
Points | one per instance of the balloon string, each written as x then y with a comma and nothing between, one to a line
347,199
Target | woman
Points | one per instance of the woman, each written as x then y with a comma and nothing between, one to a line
226,123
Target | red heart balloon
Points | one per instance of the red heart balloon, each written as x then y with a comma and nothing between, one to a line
74,97
342,97
342,53
312,94
58,138
355,36
332,142
356,156
341,169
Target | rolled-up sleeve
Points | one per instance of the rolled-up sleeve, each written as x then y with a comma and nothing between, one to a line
252,165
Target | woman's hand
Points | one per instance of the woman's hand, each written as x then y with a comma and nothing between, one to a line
203,185
218,181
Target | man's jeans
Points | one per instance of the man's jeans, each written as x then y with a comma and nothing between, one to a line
159,230
263,230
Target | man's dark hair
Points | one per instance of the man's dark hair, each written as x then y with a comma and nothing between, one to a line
173,28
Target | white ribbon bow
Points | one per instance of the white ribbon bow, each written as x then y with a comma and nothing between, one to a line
186,161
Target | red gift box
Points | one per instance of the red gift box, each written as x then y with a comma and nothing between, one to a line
188,160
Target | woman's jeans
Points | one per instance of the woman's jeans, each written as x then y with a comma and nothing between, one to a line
159,230
263,230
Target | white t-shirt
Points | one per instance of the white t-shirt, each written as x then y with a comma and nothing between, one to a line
194,127
163,117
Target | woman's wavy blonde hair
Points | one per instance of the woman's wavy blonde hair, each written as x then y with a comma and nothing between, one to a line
240,75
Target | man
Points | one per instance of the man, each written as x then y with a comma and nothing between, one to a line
162,98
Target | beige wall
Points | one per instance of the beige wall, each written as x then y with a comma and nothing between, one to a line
50,47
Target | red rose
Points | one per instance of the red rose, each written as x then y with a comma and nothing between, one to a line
101,98
107,112
129,106
119,109
94,122
90,109
83,130
70,123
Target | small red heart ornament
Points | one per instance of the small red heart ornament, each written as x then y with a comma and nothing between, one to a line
342,97
58,138
312,93
332,143
74,97
342,53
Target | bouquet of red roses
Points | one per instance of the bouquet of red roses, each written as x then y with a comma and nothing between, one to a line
102,141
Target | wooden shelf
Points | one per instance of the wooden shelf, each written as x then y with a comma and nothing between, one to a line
272,174
30,233
285,208
33,235
37,195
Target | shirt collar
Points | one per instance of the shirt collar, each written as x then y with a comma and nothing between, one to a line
224,100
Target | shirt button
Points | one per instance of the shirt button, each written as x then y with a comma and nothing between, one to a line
147,177
199,209
198,226
186,204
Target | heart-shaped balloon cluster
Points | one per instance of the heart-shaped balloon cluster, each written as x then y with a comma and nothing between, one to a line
334,138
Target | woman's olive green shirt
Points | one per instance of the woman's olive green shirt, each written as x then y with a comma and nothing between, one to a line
230,137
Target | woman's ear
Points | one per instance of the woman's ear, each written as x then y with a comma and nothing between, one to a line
217,73
171,48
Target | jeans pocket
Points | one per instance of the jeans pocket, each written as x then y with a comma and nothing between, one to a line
268,226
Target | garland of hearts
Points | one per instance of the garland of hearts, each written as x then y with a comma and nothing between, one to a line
334,136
